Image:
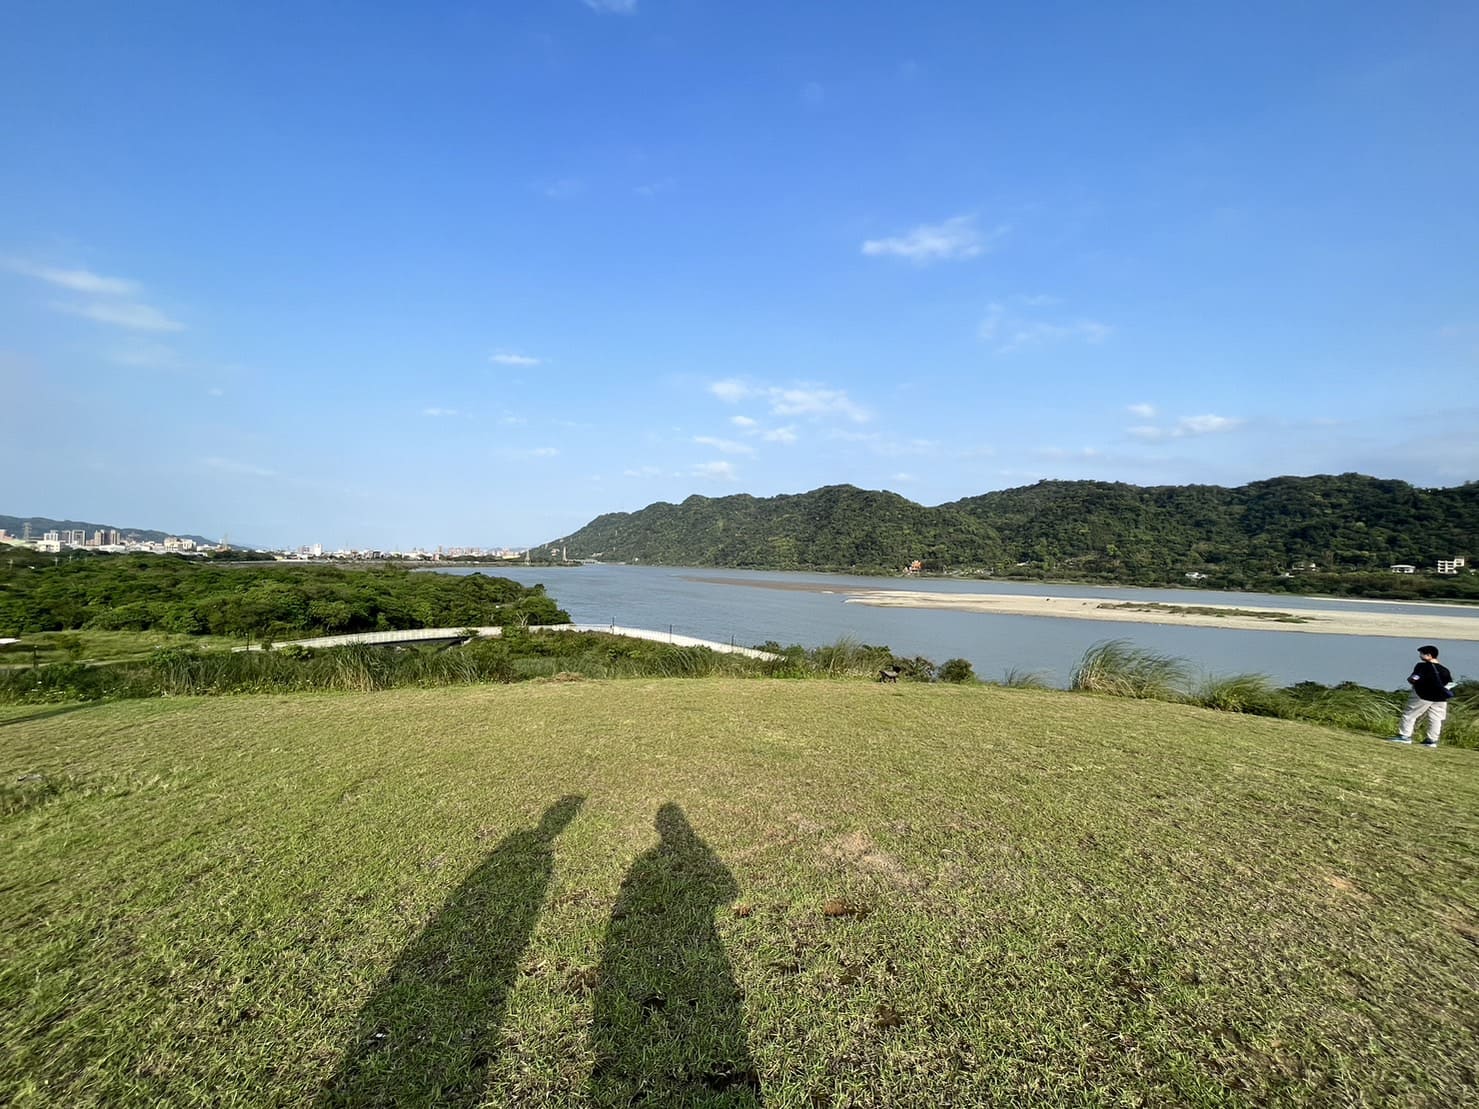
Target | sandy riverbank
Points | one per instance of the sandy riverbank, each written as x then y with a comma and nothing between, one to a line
1246,617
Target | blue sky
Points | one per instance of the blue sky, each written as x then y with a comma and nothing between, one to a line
473,273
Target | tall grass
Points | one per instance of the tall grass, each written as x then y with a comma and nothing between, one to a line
1121,669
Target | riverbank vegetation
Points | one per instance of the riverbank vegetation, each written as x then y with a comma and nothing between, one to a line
902,896
1115,668
176,595
1329,534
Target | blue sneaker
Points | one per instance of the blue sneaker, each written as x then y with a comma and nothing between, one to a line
1400,739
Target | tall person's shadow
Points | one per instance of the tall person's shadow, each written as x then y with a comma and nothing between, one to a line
668,1025
430,1030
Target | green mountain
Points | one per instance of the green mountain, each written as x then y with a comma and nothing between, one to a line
1091,529
40,525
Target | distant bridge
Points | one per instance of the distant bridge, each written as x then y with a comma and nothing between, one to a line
455,635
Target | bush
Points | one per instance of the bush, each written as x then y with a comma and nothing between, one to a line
1119,668
957,670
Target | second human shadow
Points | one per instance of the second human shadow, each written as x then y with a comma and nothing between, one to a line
668,1022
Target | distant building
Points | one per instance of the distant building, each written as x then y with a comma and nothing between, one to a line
52,537
1450,565
1195,575
1403,568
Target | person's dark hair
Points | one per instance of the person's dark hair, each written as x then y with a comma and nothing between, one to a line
1428,650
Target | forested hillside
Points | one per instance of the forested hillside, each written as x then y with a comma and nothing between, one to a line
1098,530
147,592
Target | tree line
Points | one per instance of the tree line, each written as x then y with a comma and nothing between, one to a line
173,594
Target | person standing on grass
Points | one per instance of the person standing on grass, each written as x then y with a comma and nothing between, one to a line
1432,686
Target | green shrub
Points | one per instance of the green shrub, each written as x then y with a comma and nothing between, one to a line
1119,668
957,670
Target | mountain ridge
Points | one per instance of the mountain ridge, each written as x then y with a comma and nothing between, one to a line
1111,530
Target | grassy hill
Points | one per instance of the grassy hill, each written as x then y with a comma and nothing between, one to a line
827,893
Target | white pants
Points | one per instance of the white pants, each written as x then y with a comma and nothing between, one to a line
1437,712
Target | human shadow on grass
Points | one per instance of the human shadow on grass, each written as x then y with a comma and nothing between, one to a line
47,713
668,1025
431,1028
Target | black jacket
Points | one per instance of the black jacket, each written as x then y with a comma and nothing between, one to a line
1429,680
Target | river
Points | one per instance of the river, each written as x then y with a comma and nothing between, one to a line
796,608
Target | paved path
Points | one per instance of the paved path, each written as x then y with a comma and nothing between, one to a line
451,635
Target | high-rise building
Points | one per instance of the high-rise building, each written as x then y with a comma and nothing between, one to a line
77,537
113,538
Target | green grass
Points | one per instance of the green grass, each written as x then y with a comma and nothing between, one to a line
840,893
103,646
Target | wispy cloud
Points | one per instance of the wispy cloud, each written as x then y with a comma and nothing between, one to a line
126,314
643,471
1144,411
719,471
613,7
954,239
724,446
508,358
779,435
743,422
656,188
440,412
731,391
795,400
563,187
77,281
147,356
1018,323
113,300
1185,427
231,466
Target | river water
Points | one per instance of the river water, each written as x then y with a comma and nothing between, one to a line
681,600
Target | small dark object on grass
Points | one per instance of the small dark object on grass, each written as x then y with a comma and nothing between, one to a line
889,674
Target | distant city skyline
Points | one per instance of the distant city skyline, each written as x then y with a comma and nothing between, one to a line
392,275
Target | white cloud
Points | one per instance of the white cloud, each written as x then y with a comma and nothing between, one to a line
795,400
508,358
904,479
743,422
730,391
1185,427
779,435
613,7
112,306
715,470
1011,328
544,452
134,317
1062,453
215,392
643,471
1144,411
78,281
803,401
563,187
152,356
655,188
724,446
231,466
956,238
439,412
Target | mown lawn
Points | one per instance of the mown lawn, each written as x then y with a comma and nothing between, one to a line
713,892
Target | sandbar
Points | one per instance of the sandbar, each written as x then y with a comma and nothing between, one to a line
1244,617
